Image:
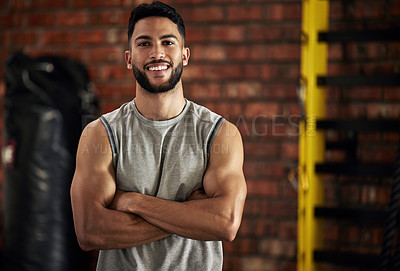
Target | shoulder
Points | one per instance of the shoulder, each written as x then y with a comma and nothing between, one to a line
94,141
120,113
227,146
203,113
94,131
228,133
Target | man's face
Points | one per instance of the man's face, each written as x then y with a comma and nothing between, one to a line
157,54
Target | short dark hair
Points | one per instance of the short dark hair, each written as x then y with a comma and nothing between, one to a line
155,9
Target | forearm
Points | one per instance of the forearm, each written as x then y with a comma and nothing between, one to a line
204,219
109,229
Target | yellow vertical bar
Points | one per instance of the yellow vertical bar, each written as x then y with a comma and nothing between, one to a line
315,18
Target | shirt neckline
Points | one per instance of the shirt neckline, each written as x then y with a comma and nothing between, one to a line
161,123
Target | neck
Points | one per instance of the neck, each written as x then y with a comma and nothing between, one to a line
160,106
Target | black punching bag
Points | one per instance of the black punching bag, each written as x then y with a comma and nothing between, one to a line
48,102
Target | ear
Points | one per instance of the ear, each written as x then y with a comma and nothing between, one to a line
128,59
186,56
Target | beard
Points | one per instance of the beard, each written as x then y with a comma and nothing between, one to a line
144,81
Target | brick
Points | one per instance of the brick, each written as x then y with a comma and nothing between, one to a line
264,33
208,53
282,210
395,8
391,94
86,3
364,93
369,10
112,91
350,235
331,232
226,109
49,4
113,3
19,4
243,90
24,38
112,54
12,20
57,37
255,207
202,14
5,38
279,91
2,88
287,230
202,91
391,137
222,71
277,247
393,51
265,227
110,17
279,72
41,19
262,188
245,13
384,154
335,52
350,194
261,150
241,246
290,150
265,52
193,72
335,10
255,109
259,263
279,12
231,263
114,72
71,19
91,37
383,111
190,2
226,33
372,236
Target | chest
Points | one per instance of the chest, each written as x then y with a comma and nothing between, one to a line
168,164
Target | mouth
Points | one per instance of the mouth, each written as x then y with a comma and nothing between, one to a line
158,67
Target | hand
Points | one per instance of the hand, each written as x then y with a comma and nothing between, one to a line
198,194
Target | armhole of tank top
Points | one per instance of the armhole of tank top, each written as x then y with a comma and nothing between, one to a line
111,138
213,134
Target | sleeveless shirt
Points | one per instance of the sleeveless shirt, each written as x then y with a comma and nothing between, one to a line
165,159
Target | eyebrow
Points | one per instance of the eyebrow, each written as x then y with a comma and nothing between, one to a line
146,37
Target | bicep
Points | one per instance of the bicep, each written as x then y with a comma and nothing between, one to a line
224,175
94,179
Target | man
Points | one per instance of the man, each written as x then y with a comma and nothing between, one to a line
159,181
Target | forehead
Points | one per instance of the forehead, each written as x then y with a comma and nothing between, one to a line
155,27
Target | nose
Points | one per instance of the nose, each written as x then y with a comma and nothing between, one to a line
157,52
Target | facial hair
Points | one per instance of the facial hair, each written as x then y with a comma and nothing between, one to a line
144,81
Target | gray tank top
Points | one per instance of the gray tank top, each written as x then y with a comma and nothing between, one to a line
165,159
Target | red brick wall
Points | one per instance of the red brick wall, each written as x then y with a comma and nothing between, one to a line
245,58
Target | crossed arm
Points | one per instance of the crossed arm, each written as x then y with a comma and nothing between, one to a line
107,218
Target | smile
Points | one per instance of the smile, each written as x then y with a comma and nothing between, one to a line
157,68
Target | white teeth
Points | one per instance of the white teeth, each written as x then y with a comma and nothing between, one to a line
158,68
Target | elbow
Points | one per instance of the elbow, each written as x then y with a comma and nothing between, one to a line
230,230
85,244
86,239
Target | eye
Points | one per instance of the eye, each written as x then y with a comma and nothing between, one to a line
143,44
168,42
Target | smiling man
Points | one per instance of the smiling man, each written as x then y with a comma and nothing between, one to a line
158,182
